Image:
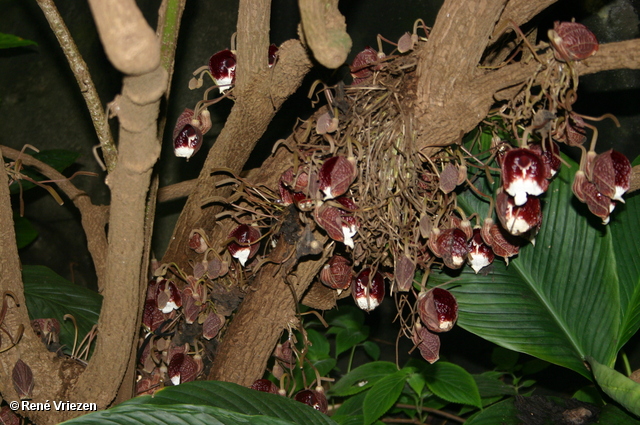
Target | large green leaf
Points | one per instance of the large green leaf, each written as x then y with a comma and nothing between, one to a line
49,295
559,300
174,414
624,232
617,386
234,398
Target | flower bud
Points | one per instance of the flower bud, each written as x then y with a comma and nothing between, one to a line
480,254
611,173
245,244
313,398
518,220
222,66
523,174
337,273
368,292
428,343
438,309
336,175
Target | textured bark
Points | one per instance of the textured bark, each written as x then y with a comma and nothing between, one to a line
254,109
267,310
139,149
30,349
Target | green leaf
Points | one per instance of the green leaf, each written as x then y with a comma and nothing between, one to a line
383,395
49,295
25,232
59,159
174,414
452,383
361,378
348,317
612,415
372,349
625,228
589,394
558,300
234,398
352,406
8,41
491,386
348,419
417,383
319,345
347,338
503,413
617,386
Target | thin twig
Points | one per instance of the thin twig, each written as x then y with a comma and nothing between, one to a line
83,77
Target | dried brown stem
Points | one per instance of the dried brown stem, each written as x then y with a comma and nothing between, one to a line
83,77
94,217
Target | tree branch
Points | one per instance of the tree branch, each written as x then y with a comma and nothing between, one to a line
94,217
83,77
325,31
30,350
519,12
132,46
254,109
253,43
456,44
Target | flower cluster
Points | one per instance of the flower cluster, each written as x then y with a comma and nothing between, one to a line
192,125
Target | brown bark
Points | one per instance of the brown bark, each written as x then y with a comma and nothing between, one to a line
30,349
254,109
134,49
264,314
454,94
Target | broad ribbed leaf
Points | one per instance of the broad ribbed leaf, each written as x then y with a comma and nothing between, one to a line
625,236
559,300
234,398
617,386
383,395
452,383
362,378
180,414
49,295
